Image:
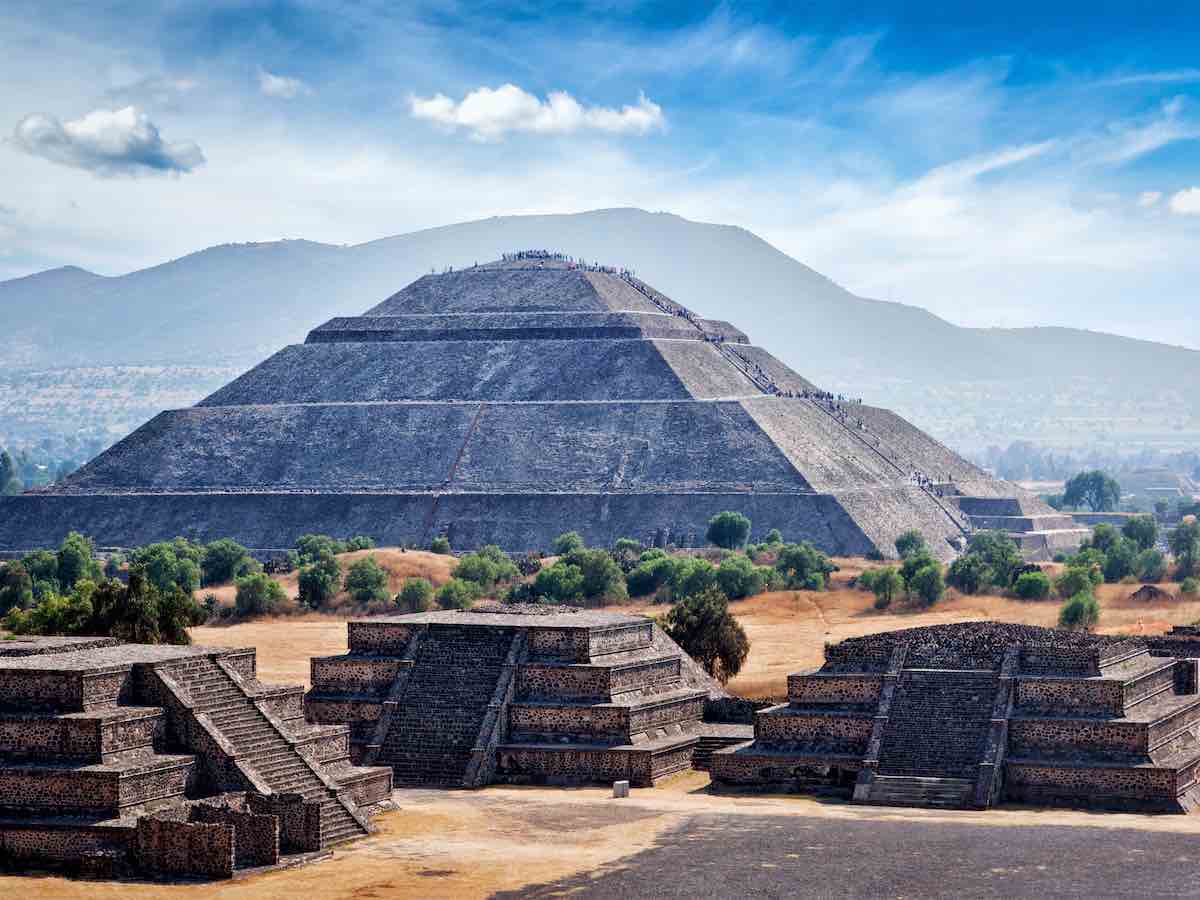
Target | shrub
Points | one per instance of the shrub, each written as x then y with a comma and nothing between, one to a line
969,574
440,544
1185,545
16,587
366,581
911,543
702,625
458,594
258,594
312,547
568,542
737,577
650,574
914,564
170,563
886,584
75,561
653,553
318,582
416,595
1000,553
927,584
529,564
223,561
1081,612
42,566
560,583
1032,586
1151,566
360,542
1190,586
1073,581
1120,560
728,529
797,563
603,580
691,576
774,538
1142,530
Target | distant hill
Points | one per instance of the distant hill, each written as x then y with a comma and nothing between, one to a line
233,304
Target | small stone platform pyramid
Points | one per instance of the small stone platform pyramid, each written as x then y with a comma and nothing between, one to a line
513,694
968,715
166,759
508,403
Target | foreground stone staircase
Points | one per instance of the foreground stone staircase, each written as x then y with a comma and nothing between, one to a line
435,729
960,702
900,790
260,746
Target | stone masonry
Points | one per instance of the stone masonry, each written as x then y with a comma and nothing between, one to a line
507,403
972,714
169,760
513,694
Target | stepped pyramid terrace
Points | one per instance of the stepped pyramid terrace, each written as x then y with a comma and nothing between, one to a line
516,694
168,761
510,402
975,714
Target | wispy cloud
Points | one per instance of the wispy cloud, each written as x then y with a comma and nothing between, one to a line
1147,199
106,142
1186,202
489,114
281,86
1174,76
153,91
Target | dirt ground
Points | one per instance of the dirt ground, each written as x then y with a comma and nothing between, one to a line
458,844
787,629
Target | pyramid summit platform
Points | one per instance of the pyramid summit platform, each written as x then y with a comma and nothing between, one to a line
512,401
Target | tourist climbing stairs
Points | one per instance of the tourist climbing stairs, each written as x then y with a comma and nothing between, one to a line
936,736
435,729
261,747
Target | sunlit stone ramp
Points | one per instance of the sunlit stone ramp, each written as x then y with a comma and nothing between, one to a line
513,694
970,715
507,403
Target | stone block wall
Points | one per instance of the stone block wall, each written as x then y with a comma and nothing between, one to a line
355,674
299,819
837,733
256,836
1067,695
185,848
840,690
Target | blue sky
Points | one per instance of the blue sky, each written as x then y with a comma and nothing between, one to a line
999,165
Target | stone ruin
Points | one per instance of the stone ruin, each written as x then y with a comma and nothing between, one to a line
513,401
970,715
172,761
516,695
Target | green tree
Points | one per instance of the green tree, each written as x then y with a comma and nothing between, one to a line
774,537
927,584
1073,581
1120,560
1080,613
1032,586
165,567
737,577
728,529
702,625
366,581
1151,566
360,542
1190,587
458,594
1185,546
42,566
650,574
75,562
1095,489
886,584
691,576
312,547
10,484
999,552
914,564
486,567
803,567
16,587
1142,530
969,574
318,582
568,542
911,543
440,545
223,561
258,594
603,580
416,595
560,583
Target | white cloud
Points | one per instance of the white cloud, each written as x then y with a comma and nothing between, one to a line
281,86
106,142
1186,202
1174,76
488,114
152,91
1146,199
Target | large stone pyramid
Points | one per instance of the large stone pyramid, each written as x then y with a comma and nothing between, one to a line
507,403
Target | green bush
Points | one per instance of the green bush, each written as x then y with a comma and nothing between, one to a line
969,574
603,580
366,581
1190,586
1185,545
737,577
1142,530
487,567
311,547
560,583
886,584
568,542
169,564
650,574
42,567
1073,581
440,544
728,529
223,561
1120,560
911,543
1081,612
1032,586
416,595
458,594
360,542
927,584
702,625
797,563
258,594
1000,553
16,587
691,576
774,538
1151,566
75,562
318,582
